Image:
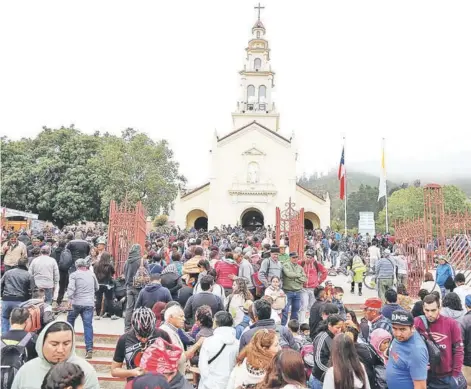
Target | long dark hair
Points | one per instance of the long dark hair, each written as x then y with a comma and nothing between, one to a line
353,315
64,375
287,368
452,301
346,363
104,268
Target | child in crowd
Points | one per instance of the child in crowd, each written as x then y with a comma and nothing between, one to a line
380,339
305,330
328,291
277,294
299,337
337,300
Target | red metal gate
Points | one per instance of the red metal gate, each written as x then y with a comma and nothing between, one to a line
290,222
435,233
127,225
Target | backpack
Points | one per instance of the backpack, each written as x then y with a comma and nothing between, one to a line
35,317
307,354
142,277
434,352
13,357
119,288
256,278
65,260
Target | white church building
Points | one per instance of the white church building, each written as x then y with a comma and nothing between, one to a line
253,167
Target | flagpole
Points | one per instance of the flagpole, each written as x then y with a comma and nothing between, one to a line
345,204
386,186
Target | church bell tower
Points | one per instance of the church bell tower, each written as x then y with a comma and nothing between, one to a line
257,81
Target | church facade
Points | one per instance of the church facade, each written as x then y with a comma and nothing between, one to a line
253,167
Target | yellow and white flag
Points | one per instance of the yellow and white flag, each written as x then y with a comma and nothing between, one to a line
382,176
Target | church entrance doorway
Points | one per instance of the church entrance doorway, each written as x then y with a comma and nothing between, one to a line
197,219
308,225
201,223
311,221
252,219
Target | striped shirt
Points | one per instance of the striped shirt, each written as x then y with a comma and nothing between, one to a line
385,269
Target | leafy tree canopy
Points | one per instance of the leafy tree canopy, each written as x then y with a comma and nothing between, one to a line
408,203
67,176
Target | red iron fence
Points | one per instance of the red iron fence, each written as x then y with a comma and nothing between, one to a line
127,225
436,233
290,223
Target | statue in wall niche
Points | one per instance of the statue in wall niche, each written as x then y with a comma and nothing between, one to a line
253,173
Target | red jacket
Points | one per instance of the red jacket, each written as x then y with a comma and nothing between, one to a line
223,270
316,273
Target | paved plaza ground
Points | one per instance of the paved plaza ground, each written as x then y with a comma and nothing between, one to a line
108,326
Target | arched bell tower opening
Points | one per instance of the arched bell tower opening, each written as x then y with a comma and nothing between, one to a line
251,219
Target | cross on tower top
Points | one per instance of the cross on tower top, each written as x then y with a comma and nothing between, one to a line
259,7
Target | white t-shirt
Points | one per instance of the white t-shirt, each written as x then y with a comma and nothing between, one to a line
357,384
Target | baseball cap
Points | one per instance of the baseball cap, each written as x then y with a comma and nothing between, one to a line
293,254
373,303
467,300
402,318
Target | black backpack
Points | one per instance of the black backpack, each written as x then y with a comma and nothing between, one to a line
65,260
13,357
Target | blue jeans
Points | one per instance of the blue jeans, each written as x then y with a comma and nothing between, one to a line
333,256
87,318
314,383
293,300
7,307
48,294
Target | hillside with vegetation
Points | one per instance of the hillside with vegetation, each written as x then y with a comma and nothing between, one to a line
362,192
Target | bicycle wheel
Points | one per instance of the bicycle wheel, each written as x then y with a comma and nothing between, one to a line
369,281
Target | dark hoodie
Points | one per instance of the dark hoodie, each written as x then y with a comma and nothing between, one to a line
132,264
152,294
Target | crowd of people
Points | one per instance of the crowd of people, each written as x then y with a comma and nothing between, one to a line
236,308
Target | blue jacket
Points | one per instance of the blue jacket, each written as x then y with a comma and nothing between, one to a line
151,294
388,309
242,326
443,272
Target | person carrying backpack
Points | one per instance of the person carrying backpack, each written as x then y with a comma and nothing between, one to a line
40,313
17,347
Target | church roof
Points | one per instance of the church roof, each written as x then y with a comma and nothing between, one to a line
195,190
312,192
248,125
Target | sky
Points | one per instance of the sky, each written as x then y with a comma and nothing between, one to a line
362,70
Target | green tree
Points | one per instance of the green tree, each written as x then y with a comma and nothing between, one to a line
68,176
135,166
408,203
160,220
364,200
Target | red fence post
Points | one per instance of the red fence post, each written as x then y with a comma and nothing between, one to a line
127,226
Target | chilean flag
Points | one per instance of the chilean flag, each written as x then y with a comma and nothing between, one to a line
342,174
